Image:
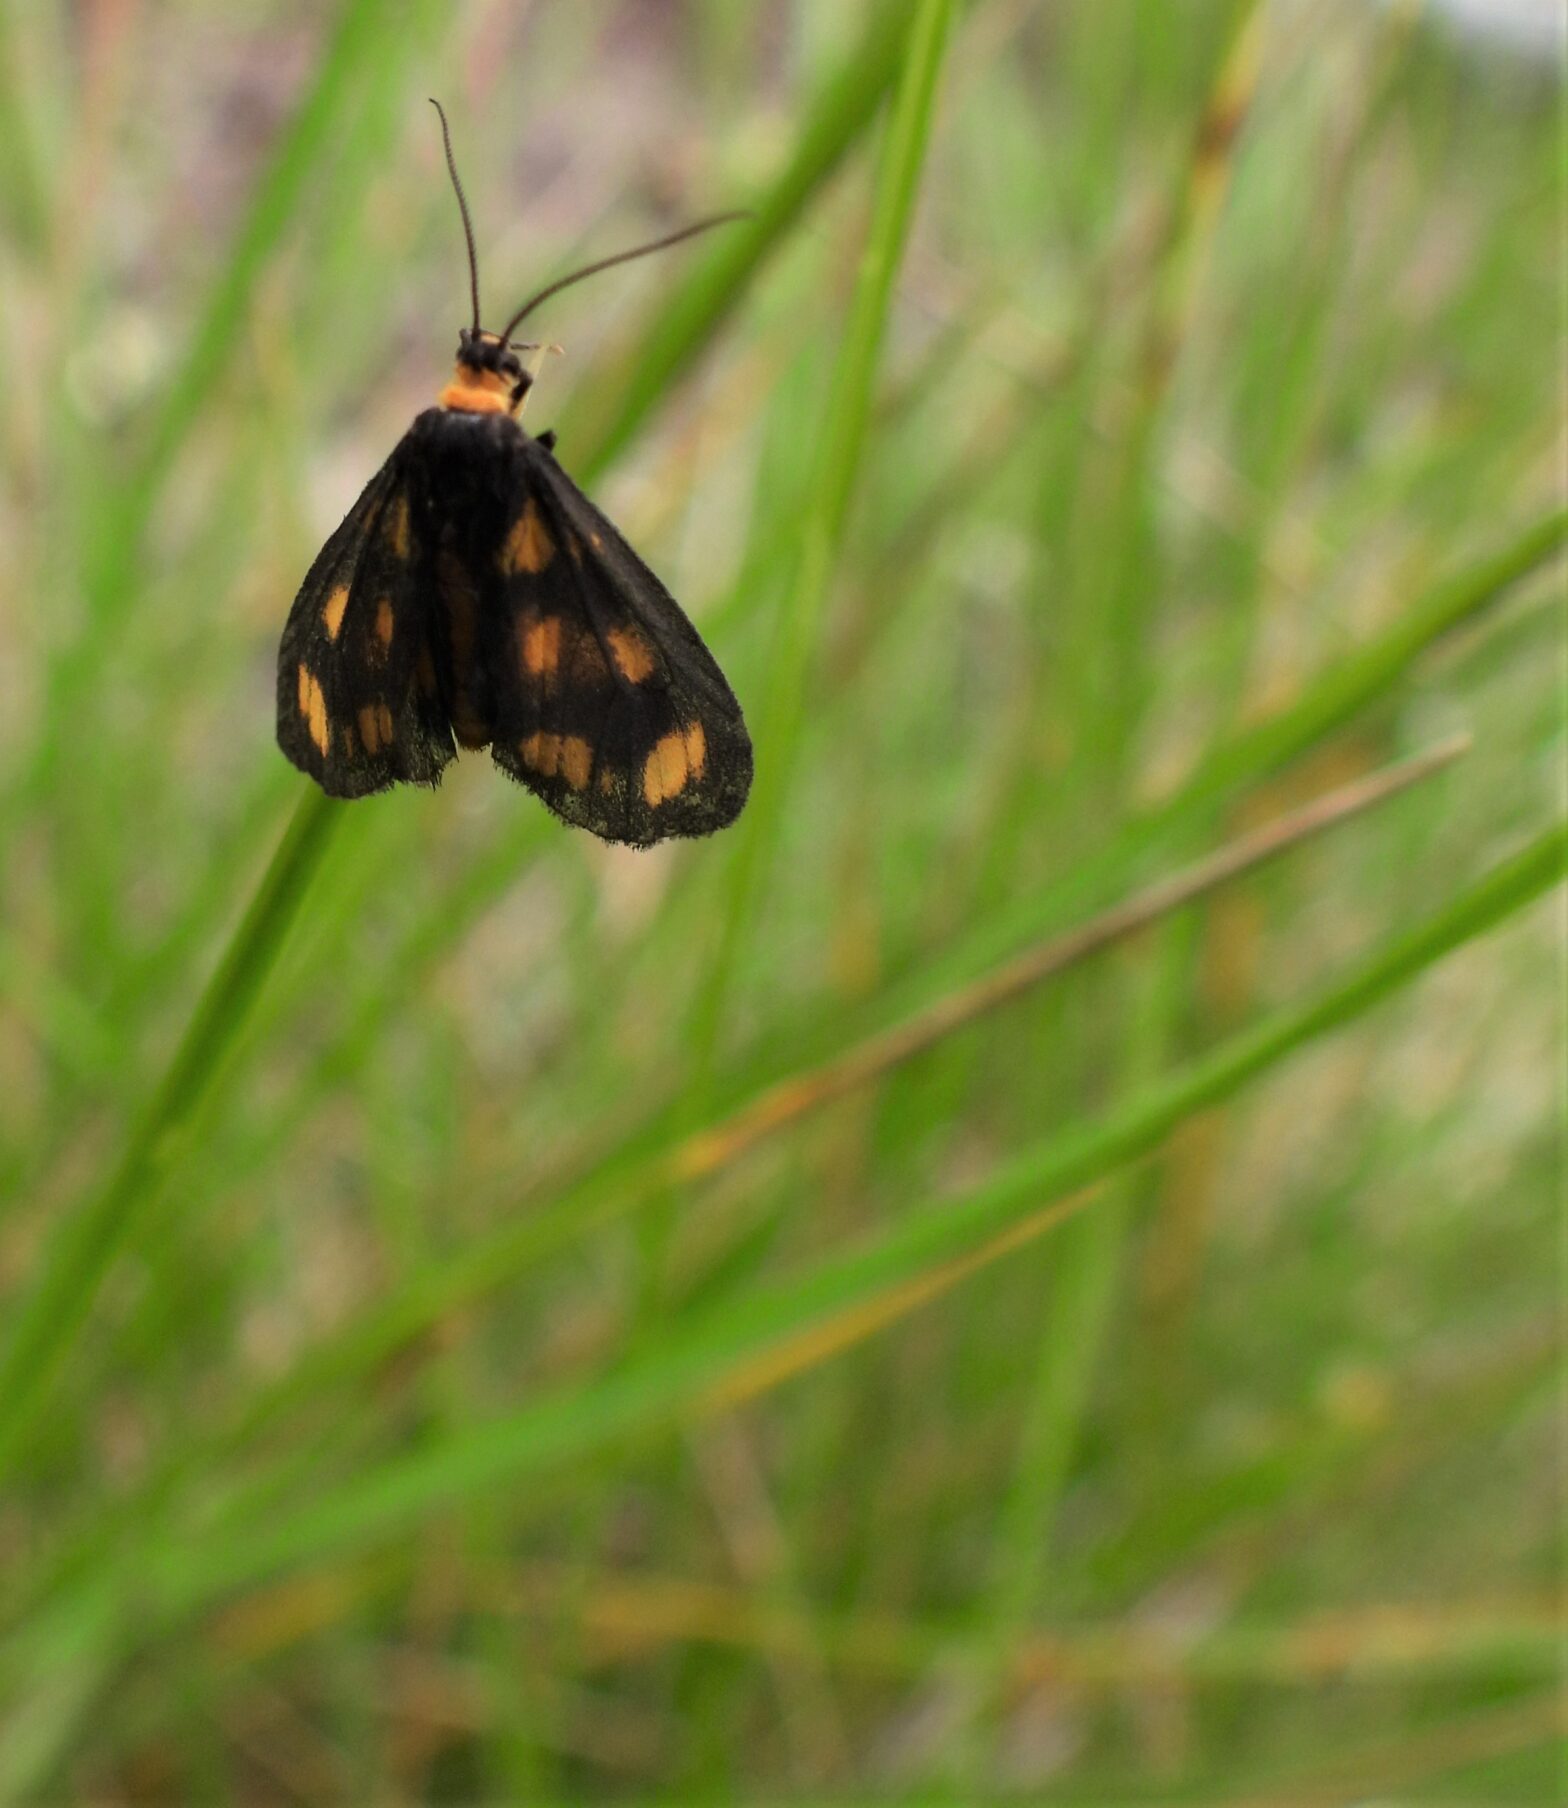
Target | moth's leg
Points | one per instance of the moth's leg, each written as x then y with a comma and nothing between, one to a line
531,372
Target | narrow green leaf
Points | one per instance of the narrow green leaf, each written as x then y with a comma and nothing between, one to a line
600,424
826,509
87,1243
24,200
274,205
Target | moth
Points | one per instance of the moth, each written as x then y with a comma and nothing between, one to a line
474,597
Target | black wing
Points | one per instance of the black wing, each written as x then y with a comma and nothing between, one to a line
358,707
606,702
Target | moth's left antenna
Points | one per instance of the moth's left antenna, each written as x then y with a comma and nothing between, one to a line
462,202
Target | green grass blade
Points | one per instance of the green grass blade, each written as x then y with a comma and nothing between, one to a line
776,723
1357,682
112,551
296,160
825,510
24,200
598,426
86,1245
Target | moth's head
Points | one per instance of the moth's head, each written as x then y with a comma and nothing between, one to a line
489,377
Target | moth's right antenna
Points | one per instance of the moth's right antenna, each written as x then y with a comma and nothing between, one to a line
607,263
462,202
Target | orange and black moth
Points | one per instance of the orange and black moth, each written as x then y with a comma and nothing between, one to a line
474,597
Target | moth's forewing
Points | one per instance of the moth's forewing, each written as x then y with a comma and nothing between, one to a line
352,710
607,704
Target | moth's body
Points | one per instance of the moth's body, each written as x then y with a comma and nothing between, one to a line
465,480
474,594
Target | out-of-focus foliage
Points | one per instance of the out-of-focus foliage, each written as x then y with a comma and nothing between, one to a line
554,1322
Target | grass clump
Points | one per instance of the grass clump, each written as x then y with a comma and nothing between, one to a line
1020,1267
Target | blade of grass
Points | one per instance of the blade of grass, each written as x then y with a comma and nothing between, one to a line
821,527
1113,673
600,423
48,1318
111,567
706,1151
23,197
630,1611
1124,658
826,509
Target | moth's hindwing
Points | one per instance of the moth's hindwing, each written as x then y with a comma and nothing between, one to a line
605,701
357,703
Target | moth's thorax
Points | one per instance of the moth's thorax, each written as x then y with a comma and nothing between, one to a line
477,391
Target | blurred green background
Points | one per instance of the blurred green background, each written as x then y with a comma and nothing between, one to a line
1029,1265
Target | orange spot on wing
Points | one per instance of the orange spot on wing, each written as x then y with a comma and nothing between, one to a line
539,643
313,707
696,750
664,773
396,527
375,727
557,756
631,653
384,621
540,752
528,547
332,614
576,761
